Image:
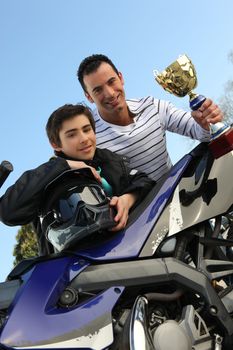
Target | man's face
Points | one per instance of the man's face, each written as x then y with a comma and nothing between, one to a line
105,88
77,138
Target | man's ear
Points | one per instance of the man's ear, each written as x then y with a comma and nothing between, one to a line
55,147
120,75
89,97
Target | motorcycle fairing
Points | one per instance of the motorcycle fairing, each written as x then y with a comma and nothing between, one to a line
208,196
128,243
41,324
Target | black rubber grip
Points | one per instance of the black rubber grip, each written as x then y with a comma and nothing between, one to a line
5,169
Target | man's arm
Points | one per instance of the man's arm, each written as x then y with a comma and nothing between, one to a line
194,124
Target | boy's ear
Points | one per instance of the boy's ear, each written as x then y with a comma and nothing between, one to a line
55,147
89,97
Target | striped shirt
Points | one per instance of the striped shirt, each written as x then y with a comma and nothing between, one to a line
144,141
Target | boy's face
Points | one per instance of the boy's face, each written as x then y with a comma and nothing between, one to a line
77,138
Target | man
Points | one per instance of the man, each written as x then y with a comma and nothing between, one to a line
136,128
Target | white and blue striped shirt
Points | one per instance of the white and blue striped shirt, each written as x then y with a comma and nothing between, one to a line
144,141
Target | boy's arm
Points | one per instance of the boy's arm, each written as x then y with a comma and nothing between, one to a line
19,204
139,183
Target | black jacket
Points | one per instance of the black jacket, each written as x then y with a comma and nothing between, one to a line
19,205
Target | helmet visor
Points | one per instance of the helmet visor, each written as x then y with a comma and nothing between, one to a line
66,207
86,220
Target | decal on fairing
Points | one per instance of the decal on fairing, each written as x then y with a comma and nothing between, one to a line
158,238
95,341
175,214
175,222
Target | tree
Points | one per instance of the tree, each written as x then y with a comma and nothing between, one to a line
26,246
226,101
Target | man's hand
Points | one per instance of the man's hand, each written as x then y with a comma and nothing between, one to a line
73,164
122,205
207,113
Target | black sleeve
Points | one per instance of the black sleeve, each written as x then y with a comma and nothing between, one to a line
117,171
19,204
139,183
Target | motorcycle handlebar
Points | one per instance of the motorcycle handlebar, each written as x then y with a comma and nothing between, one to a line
5,169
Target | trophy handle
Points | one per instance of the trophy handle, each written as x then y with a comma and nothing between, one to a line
196,101
155,73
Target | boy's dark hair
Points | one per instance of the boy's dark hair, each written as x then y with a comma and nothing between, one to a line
90,64
68,111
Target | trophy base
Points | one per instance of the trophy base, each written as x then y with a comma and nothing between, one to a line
222,144
217,129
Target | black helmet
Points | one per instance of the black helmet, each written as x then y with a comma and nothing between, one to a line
74,206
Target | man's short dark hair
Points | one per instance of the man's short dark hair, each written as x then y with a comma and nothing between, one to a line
68,111
90,64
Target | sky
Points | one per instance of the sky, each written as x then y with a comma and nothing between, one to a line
43,42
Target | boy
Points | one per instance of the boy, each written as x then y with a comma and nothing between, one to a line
71,132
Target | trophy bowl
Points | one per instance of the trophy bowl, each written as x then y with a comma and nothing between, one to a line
179,78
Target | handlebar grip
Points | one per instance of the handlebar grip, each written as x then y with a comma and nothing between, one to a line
5,169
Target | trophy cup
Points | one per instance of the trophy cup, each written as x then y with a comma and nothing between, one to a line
180,79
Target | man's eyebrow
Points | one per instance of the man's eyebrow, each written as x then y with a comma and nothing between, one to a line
96,88
99,86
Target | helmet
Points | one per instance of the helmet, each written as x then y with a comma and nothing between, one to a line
74,206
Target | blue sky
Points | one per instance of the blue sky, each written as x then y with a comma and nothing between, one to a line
43,42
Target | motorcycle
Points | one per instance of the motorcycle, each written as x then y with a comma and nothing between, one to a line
164,282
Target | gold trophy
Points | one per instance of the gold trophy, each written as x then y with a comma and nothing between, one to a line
180,79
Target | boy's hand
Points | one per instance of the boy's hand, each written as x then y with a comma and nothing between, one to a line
73,164
122,205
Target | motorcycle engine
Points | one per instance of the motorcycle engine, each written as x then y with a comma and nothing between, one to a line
189,333
170,335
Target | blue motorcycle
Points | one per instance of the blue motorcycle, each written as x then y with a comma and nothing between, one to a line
164,282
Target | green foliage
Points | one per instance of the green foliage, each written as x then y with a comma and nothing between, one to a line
26,246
